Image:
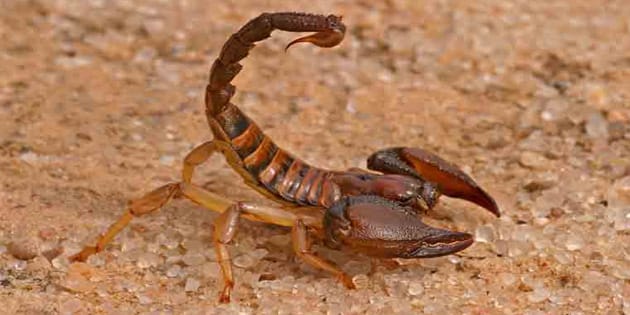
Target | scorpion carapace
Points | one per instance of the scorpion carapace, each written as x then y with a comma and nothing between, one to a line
376,214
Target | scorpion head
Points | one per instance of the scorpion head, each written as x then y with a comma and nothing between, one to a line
379,227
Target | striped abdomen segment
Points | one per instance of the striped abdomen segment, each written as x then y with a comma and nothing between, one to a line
275,169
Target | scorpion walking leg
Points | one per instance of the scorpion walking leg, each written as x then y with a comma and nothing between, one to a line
196,157
302,247
202,153
148,203
225,227
224,231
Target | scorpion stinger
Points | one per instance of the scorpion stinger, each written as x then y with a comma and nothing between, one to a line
324,39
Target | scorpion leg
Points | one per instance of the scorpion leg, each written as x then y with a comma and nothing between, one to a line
302,247
224,231
197,156
225,227
421,164
202,153
148,203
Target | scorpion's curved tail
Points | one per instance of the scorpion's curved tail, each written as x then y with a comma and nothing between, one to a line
266,165
329,31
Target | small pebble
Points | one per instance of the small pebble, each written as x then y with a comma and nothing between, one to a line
71,306
192,285
533,160
19,265
60,263
148,259
415,288
597,126
193,258
23,248
574,242
167,160
76,282
144,299
244,261
507,279
563,257
211,270
538,295
485,234
174,271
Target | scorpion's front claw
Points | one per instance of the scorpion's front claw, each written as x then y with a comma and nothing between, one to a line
379,227
449,178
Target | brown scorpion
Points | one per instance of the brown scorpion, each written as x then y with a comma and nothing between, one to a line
377,214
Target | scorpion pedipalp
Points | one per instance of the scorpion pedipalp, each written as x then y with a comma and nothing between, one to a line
424,165
380,227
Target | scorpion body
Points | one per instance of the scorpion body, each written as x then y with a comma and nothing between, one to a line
378,214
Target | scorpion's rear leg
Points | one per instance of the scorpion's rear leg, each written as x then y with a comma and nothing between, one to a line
148,203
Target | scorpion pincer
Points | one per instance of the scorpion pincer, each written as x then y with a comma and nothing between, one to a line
375,212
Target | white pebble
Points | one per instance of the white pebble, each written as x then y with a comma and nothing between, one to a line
574,242
538,295
193,259
597,126
563,257
19,264
485,234
144,299
244,261
192,285
60,263
174,271
147,260
507,279
167,160
415,288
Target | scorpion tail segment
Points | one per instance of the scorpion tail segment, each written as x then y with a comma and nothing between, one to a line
382,228
450,179
329,31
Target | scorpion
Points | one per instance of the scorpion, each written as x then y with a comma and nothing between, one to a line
376,212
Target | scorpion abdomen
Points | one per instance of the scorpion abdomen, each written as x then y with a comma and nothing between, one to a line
277,170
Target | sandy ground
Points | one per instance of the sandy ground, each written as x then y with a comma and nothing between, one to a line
100,100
